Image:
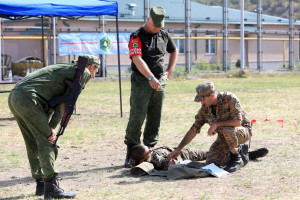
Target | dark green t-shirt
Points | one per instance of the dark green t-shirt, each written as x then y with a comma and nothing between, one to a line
154,47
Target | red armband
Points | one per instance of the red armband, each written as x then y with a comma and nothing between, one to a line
135,47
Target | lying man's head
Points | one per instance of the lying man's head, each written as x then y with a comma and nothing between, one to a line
139,153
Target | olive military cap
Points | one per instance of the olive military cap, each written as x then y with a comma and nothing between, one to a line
158,14
204,90
92,60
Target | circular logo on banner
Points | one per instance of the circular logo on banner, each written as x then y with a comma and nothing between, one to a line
135,45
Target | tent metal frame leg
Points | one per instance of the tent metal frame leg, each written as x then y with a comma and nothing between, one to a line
119,66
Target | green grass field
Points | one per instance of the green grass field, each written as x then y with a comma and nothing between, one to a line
92,150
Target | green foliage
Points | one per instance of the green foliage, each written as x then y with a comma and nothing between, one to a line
203,65
238,63
286,66
240,74
297,65
278,8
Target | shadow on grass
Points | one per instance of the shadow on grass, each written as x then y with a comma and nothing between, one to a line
7,119
158,178
15,181
139,179
20,197
64,175
74,173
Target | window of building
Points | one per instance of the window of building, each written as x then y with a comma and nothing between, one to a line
210,44
179,43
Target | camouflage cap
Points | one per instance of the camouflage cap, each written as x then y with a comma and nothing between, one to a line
92,60
142,169
158,14
204,90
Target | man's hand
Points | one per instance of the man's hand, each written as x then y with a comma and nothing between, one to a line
174,154
231,123
166,76
211,130
144,69
53,135
155,84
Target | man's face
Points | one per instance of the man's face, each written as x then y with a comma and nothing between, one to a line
152,29
93,70
147,153
207,101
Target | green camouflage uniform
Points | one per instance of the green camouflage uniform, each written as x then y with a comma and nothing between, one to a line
145,102
159,157
28,102
228,107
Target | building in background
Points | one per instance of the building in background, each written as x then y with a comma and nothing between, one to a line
206,21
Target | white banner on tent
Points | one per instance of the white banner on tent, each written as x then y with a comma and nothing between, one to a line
92,43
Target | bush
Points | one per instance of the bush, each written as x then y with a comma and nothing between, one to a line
238,63
203,65
239,74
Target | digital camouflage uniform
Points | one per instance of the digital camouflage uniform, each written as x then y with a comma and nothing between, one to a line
28,102
228,107
145,102
159,157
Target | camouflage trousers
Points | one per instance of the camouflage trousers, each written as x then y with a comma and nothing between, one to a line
227,141
159,156
145,102
34,125
192,154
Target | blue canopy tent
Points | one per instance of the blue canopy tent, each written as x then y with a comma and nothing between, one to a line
21,9
65,8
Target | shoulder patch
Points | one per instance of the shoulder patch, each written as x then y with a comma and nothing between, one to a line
135,46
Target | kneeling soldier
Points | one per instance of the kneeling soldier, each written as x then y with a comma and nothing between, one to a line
226,117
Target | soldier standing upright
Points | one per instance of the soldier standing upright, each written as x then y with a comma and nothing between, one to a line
147,47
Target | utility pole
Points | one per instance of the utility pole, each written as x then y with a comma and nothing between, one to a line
291,35
242,42
225,35
188,36
259,36
146,10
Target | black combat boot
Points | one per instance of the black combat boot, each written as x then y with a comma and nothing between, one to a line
258,153
39,191
126,164
234,163
52,190
243,151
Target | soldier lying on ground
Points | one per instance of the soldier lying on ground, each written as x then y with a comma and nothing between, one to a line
159,156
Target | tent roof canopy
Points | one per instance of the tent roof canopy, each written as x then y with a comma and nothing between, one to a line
18,9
